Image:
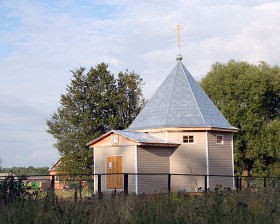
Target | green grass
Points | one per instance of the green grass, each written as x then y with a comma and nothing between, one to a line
262,206
67,194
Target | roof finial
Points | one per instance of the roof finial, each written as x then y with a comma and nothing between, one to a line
178,28
179,56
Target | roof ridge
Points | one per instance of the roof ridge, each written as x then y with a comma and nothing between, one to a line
193,95
170,102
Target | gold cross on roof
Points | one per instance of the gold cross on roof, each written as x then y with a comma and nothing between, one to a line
178,28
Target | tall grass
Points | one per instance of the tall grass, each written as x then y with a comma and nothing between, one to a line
262,206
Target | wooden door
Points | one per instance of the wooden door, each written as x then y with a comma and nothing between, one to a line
114,164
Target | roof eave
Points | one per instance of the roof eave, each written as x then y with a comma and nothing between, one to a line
107,134
151,130
159,144
54,165
99,138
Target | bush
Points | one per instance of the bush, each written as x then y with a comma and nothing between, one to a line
12,188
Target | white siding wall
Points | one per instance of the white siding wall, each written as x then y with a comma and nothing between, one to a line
220,160
188,159
128,153
153,160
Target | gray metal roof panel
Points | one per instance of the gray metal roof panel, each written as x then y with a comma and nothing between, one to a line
179,102
142,137
208,110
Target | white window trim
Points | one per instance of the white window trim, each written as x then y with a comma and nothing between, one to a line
115,139
189,142
221,143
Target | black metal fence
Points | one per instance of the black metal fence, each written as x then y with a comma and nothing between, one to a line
82,183
240,182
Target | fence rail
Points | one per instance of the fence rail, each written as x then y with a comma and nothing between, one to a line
87,181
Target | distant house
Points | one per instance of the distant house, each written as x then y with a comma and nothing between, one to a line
54,170
179,131
4,175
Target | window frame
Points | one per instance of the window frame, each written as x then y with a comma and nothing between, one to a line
115,139
188,139
222,140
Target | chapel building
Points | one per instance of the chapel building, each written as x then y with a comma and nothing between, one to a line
179,131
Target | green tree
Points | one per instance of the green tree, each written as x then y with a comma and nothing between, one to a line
249,97
130,99
27,170
92,105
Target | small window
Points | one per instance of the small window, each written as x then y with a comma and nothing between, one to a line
115,139
220,139
188,139
57,178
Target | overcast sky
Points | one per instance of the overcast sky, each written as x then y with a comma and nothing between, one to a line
41,41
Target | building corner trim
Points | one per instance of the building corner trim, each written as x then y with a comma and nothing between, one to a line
232,158
207,159
136,168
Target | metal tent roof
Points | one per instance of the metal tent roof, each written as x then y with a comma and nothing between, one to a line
142,137
179,102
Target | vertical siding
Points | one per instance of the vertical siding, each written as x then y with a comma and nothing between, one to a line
188,159
220,160
153,160
128,153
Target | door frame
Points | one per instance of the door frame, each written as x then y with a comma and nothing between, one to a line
105,181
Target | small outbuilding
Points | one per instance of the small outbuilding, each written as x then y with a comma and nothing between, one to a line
180,131
54,171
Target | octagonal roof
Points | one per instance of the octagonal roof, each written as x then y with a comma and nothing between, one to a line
179,102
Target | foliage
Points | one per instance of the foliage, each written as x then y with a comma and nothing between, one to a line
19,171
249,97
261,206
94,103
130,99
12,189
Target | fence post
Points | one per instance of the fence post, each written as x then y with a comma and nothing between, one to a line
240,184
52,183
264,182
80,189
125,180
169,183
237,182
205,183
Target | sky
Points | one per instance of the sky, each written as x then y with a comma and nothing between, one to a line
41,41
